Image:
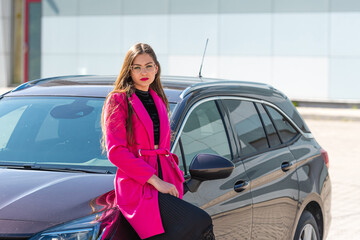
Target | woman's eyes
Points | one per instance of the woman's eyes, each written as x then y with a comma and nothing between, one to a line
148,68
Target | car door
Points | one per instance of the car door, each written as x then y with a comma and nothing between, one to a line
228,201
270,167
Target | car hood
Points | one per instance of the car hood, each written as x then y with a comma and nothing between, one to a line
32,201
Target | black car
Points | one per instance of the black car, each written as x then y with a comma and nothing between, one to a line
248,157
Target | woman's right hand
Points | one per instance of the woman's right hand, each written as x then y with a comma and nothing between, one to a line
163,187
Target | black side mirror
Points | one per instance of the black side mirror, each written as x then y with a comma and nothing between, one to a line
208,167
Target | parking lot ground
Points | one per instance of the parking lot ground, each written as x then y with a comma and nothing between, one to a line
338,132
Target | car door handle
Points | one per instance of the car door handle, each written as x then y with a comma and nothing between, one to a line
241,185
286,166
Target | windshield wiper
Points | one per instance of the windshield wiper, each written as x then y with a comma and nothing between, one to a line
16,165
103,171
55,169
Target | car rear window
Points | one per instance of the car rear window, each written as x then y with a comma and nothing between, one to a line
286,130
274,139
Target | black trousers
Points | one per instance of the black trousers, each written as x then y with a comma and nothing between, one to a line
182,220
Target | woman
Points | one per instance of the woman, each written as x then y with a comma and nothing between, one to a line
136,130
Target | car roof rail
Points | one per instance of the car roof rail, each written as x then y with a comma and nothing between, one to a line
217,82
42,80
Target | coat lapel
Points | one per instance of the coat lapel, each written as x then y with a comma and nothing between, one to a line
163,118
143,117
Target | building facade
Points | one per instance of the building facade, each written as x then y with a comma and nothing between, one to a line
5,42
307,49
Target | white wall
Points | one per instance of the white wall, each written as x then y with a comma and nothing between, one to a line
5,44
305,48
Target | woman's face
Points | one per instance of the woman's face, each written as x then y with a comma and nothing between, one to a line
143,71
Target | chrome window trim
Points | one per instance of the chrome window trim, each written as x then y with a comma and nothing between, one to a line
306,135
185,92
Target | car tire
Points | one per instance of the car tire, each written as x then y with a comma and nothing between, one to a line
307,228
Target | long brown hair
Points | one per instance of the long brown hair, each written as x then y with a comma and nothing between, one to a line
125,84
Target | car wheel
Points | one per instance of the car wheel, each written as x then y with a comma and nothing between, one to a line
307,228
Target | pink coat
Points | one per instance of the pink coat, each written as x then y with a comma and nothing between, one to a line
137,199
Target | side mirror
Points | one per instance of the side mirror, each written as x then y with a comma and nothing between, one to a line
205,167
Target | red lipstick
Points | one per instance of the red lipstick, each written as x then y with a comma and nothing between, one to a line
144,79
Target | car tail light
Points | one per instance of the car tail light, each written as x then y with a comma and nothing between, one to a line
325,156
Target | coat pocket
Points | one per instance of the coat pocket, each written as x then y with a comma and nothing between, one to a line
128,191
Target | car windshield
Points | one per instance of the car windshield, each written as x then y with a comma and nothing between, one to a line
53,132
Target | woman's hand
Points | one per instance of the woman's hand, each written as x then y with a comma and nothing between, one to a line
163,187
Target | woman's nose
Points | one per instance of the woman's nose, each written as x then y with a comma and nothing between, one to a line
143,70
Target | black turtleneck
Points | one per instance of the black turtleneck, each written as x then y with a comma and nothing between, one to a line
149,104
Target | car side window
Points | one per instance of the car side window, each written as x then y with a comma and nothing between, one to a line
248,127
286,130
204,132
177,152
274,139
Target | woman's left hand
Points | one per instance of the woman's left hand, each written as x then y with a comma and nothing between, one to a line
162,186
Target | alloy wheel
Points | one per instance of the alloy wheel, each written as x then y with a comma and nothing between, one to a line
308,233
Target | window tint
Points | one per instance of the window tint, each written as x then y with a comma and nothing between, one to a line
204,132
286,131
269,127
248,126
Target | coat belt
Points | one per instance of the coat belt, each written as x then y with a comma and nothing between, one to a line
154,152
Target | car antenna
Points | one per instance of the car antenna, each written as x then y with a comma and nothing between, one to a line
202,61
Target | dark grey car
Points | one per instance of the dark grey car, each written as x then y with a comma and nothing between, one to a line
249,160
